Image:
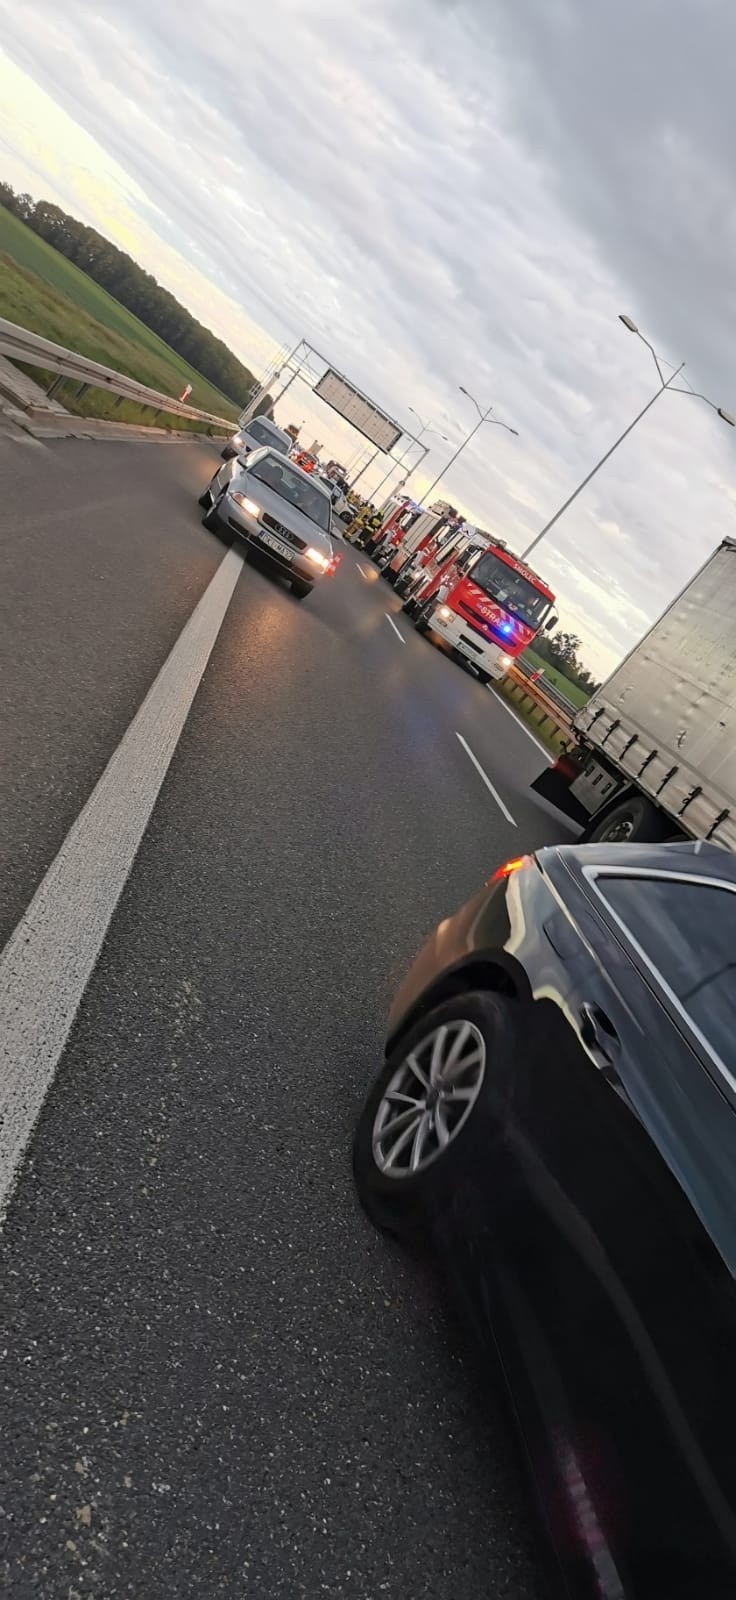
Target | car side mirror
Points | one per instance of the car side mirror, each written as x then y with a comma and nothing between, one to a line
550,624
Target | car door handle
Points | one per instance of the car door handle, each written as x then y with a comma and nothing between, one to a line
598,1033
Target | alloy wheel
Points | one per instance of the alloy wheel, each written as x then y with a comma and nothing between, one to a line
428,1099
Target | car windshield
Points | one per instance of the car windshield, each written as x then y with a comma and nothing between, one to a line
293,486
510,589
263,435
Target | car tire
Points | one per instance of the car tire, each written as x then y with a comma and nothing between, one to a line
300,589
634,820
398,1198
211,518
205,499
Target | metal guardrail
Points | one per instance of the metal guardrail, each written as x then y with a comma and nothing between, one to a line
22,345
548,689
532,698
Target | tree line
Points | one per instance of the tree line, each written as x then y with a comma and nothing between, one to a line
562,650
136,289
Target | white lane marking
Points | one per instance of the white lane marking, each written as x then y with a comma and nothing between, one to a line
486,780
390,620
50,957
523,726
365,573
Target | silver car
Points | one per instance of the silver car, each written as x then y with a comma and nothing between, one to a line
276,508
254,435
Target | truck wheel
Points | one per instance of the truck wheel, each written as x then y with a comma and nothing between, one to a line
423,616
633,821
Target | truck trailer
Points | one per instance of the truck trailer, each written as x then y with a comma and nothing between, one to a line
654,752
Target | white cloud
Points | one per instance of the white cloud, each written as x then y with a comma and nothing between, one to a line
438,194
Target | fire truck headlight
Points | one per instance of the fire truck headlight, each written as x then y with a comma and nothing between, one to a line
505,662
444,613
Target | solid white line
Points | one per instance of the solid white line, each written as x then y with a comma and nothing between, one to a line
393,625
486,780
49,959
523,726
365,573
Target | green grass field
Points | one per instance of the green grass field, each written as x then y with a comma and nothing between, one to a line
578,696
43,291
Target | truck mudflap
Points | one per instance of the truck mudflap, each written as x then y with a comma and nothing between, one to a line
555,782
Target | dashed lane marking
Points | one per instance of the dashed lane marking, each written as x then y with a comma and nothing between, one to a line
484,775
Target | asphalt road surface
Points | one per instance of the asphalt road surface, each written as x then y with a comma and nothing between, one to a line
217,1380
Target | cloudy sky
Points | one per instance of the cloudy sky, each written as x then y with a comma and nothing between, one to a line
435,193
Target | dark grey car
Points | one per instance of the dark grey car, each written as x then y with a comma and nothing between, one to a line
556,1116
277,509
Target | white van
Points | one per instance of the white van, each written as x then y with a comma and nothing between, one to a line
253,435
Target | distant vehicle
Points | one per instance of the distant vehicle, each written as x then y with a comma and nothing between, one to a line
655,756
330,485
255,433
487,605
305,460
277,509
555,1118
340,504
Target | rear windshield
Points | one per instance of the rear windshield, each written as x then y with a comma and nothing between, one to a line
293,485
261,432
510,589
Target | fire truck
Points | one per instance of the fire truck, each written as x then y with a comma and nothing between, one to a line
408,531
482,602
434,555
397,514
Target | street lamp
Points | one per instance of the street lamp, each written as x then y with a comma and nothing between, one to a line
483,416
664,383
425,428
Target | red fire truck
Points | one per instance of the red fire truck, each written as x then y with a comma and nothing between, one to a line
485,603
410,534
430,560
399,514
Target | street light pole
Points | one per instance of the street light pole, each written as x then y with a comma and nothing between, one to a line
363,470
664,384
425,428
483,416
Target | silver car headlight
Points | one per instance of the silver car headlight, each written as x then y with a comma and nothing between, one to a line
320,560
251,506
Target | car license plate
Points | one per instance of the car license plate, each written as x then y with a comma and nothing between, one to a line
466,650
277,545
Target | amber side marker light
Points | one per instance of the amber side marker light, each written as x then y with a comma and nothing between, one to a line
515,865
